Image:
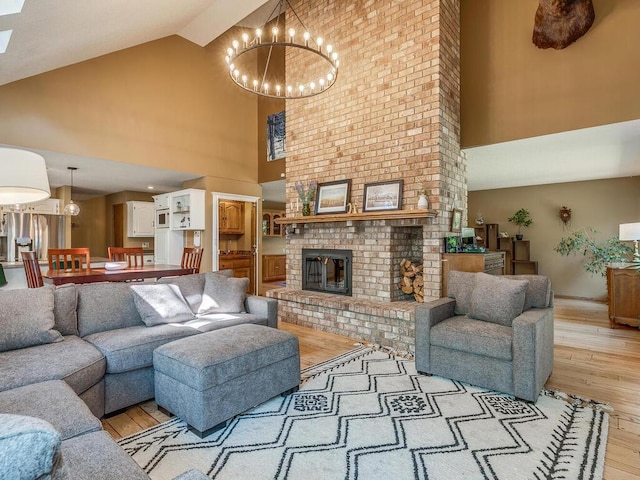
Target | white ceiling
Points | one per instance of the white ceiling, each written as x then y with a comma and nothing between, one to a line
50,34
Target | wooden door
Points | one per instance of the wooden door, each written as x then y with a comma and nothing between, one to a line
118,225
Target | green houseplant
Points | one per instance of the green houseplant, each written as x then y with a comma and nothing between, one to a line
598,254
522,218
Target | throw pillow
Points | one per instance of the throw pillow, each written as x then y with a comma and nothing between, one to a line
65,305
192,286
160,303
497,300
460,286
223,295
538,294
26,318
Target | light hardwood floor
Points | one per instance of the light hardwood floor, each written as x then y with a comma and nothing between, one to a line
591,360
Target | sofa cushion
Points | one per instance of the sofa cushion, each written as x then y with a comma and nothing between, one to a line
31,448
127,349
223,295
215,321
53,401
475,336
65,304
160,303
496,299
95,456
106,306
460,286
26,318
73,360
538,293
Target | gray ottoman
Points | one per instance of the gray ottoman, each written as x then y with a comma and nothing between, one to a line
209,378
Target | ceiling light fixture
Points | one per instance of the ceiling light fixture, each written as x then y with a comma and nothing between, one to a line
24,177
321,69
71,208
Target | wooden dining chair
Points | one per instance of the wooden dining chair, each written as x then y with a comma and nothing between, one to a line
134,256
191,258
74,259
32,270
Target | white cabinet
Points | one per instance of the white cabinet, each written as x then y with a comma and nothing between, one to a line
161,202
140,216
168,245
186,209
50,206
148,259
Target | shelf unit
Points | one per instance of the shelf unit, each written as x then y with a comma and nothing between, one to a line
359,217
186,209
269,226
521,263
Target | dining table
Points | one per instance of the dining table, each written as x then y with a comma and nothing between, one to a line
93,275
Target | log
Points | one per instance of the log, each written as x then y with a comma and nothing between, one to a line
412,281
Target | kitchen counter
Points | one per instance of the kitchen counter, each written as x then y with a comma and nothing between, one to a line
235,255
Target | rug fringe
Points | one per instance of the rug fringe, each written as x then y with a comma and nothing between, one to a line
578,400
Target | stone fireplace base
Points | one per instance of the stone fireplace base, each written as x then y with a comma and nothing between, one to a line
389,324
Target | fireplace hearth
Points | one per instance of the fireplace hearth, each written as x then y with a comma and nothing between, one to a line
327,270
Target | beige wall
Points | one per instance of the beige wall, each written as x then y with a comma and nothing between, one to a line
602,204
512,90
165,103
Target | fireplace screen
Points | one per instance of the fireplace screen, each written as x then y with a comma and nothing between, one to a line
326,270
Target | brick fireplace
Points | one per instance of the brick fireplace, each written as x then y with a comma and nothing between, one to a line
392,114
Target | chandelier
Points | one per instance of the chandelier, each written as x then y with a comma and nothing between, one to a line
71,208
319,75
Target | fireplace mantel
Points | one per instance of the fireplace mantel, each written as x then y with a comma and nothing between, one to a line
360,217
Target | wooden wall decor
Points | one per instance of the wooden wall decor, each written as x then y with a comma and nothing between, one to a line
559,23
565,215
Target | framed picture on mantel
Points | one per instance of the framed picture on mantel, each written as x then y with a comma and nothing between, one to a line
382,196
332,197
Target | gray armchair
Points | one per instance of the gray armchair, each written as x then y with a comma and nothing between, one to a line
491,331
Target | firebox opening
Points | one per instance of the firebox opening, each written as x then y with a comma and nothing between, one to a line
327,271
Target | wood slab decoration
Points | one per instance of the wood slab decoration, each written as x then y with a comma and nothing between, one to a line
559,23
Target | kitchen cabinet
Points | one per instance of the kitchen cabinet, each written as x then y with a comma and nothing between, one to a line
187,209
50,206
491,263
241,266
623,288
231,217
269,226
140,217
274,268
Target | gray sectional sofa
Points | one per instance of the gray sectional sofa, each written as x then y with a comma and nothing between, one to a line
95,342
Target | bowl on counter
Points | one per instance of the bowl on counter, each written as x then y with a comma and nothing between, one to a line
115,265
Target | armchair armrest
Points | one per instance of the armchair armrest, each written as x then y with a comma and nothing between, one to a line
263,307
427,315
532,352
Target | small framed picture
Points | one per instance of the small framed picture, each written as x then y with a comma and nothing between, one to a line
332,197
456,221
382,196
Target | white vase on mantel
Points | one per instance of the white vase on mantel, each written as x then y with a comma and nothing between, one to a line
423,203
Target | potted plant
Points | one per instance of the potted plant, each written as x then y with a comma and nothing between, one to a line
521,218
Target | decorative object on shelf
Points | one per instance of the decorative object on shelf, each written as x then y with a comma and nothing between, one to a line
598,254
565,215
26,181
333,197
322,59
479,219
306,195
504,234
522,218
559,23
630,232
352,208
71,208
276,136
456,221
384,196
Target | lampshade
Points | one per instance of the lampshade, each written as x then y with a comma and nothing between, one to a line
24,177
629,231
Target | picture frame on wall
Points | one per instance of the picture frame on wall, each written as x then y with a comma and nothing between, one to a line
456,221
332,197
276,136
382,196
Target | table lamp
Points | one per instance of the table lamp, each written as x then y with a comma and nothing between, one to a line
631,232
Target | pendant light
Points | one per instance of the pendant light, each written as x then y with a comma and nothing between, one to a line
24,177
71,208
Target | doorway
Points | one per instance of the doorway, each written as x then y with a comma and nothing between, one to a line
235,241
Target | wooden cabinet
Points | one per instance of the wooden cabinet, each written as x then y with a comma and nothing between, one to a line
231,217
186,208
140,217
521,263
269,226
241,266
623,287
491,263
274,268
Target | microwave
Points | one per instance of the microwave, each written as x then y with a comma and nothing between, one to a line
162,218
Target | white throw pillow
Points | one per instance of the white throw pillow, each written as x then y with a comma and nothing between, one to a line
161,303
223,295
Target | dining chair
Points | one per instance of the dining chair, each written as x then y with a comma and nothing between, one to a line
74,259
134,256
191,258
32,270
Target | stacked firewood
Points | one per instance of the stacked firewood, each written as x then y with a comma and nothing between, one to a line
412,281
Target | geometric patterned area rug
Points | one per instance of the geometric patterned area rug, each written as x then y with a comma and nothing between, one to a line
368,415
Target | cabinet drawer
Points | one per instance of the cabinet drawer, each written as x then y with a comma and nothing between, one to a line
225,264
